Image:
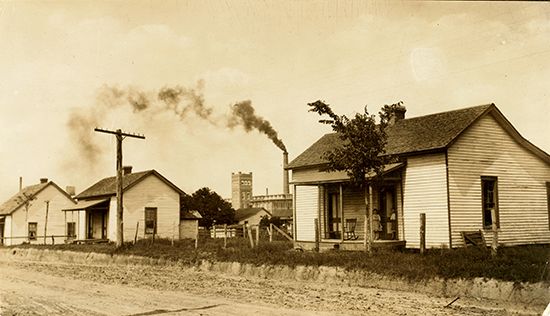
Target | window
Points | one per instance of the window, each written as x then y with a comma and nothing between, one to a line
548,201
150,220
33,228
71,230
489,197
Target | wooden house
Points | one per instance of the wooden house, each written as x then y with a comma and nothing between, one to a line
251,216
455,167
35,212
151,205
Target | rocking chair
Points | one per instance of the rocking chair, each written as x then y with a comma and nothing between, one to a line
349,229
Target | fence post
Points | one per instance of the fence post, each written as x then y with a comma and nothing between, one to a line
494,243
135,236
316,223
258,235
270,231
244,230
249,231
224,236
197,237
422,233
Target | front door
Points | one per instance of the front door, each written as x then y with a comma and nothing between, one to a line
388,212
97,225
333,216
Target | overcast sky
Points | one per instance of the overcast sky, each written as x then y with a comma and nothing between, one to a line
63,60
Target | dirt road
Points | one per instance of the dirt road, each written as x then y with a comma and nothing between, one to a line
34,288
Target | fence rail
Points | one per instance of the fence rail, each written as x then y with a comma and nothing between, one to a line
38,239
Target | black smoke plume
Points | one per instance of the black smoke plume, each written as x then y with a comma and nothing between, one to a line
243,114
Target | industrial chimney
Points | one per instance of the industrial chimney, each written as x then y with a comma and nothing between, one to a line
285,173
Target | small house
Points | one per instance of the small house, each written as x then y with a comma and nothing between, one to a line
34,215
151,207
463,169
251,216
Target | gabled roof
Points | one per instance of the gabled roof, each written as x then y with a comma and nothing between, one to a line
107,186
190,215
429,133
28,193
244,213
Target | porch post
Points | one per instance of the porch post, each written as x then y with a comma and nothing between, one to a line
341,207
370,219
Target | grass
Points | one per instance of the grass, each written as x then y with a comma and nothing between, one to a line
518,264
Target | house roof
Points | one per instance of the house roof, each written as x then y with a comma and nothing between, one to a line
244,213
282,213
190,215
84,205
107,186
28,193
418,134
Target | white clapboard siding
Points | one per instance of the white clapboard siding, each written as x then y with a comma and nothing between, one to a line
486,149
151,192
314,175
307,206
425,191
36,212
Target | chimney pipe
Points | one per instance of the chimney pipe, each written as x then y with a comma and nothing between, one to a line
126,170
285,173
266,191
20,184
398,114
71,190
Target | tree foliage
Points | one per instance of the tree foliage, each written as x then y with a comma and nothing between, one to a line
363,141
210,205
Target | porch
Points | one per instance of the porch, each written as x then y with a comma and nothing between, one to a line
335,213
91,222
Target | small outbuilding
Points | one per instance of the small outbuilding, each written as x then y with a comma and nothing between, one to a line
189,224
251,216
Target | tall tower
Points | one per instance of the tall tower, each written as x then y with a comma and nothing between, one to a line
241,189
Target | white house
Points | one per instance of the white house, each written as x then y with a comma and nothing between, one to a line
456,167
151,205
35,212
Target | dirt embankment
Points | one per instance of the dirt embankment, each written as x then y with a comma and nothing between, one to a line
286,289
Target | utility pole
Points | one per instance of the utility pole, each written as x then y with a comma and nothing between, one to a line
119,138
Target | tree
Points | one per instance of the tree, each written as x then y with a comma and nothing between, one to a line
362,148
210,205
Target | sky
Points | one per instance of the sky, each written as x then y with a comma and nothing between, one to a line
69,66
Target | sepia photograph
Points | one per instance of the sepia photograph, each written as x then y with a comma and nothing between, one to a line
274,157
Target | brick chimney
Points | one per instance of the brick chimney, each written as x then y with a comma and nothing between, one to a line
126,170
398,114
71,190
43,180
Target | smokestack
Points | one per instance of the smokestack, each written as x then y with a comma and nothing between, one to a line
43,180
126,170
285,173
20,184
